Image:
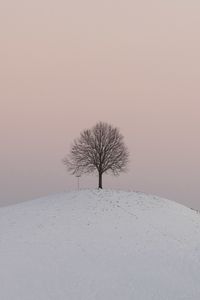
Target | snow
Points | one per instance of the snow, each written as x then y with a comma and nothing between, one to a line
102,245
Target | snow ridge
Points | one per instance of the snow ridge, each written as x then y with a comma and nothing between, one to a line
99,244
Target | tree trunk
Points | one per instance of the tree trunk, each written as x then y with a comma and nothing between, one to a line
100,180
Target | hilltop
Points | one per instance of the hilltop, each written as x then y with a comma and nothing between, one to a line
99,244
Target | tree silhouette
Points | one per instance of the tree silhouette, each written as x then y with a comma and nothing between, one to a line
100,149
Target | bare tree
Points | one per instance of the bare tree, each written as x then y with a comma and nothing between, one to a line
100,149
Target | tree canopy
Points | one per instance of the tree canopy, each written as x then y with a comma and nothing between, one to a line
100,149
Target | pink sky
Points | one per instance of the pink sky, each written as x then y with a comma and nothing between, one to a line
67,64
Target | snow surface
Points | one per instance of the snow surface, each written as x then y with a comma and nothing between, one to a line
101,245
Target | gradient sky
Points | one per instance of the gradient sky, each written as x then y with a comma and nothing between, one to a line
67,64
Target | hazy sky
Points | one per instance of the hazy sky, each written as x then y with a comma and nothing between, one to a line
64,65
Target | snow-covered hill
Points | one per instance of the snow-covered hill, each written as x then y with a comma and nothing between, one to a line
99,245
